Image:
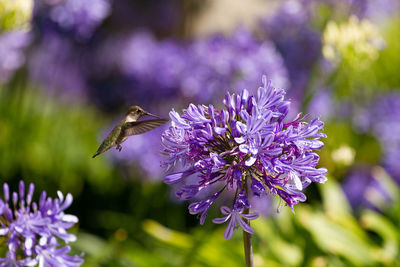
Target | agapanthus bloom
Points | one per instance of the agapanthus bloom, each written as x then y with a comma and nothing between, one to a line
35,234
247,148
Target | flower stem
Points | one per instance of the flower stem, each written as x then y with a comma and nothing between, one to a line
248,249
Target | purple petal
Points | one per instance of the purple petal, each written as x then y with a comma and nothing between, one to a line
250,216
229,229
249,162
174,178
221,220
240,140
30,193
21,189
6,192
14,198
225,210
219,130
244,148
244,225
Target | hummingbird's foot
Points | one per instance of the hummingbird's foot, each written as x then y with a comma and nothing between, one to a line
119,147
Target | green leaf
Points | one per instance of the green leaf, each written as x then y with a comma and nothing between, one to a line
336,239
167,235
377,223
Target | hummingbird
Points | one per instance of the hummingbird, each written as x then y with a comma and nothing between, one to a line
127,127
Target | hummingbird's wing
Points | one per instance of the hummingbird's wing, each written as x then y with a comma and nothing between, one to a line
139,127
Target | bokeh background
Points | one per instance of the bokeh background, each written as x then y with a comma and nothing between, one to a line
69,69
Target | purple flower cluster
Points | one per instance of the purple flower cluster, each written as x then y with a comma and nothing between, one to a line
36,234
142,56
218,61
62,73
81,18
246,148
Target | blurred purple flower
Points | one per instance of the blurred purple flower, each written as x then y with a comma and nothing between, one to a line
322,104
80,17
298,43
12,56
381,11
246,148
171,67
385,124
36,234
128,15
56,64
363,189
153,64
219,63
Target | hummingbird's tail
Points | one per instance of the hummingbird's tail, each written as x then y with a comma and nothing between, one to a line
96,154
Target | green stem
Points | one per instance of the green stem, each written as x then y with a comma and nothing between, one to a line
248,249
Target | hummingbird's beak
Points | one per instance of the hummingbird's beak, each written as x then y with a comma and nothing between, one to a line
149,114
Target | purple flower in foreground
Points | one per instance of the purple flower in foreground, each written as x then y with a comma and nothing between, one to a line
246,148
36,233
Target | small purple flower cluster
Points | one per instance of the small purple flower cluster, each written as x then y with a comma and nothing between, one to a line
36,233
247,149
62,73
81,18
219,62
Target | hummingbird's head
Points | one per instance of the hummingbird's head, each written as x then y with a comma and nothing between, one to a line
135,112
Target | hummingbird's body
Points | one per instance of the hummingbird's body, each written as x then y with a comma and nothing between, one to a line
127,127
